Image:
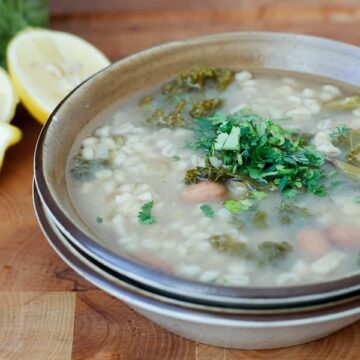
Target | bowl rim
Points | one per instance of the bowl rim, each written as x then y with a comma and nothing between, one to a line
86,268
307,292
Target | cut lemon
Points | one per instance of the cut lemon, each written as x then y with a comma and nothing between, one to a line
8,97
9,135
46,65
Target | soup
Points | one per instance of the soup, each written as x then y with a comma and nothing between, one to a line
232,178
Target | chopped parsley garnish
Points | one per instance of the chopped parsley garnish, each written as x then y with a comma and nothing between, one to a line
256,150
99,219
145,216
237,206
250,201
176,158
341,131
207,210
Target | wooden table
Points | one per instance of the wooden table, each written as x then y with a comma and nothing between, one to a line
47,311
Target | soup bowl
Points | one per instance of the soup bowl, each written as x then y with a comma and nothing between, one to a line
254,51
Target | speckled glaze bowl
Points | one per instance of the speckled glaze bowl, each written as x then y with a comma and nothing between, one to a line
260,51
226,328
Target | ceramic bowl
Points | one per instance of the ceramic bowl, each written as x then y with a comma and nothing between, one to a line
259,51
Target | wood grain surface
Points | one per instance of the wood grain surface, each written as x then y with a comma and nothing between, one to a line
46,310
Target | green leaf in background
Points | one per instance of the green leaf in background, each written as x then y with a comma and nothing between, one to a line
15,15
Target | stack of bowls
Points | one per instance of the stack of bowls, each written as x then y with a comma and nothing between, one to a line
237,317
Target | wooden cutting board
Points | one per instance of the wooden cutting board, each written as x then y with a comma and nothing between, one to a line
46,310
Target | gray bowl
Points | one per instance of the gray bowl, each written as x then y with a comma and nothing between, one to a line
261,51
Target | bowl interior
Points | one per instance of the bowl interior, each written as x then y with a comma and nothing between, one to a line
260,51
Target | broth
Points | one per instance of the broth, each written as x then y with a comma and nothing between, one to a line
129,179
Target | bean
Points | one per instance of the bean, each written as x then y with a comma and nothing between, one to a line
313,242
345,235
205,191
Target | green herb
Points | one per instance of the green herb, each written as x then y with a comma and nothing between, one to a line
16,15
212,173
290,194
85,169
161,119
208,172
346,138
273,252
250,147
343,104
228,141
207,210
268,252
176,158
99,219
145,216
260,220
237,206
250,201
258,195
205,107
197,78
349,140
288,210
341,131
183,97
227,244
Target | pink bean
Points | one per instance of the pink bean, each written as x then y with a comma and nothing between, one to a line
312,242
203,192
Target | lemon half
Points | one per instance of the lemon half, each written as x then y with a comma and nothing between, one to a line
46,65
8,97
